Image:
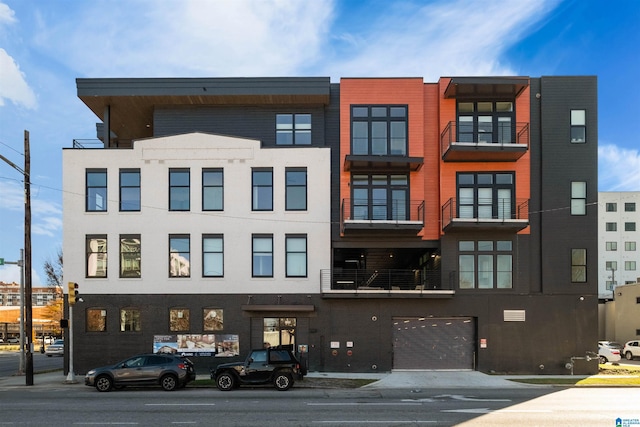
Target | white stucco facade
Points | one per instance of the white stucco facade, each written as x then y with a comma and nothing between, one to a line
236,222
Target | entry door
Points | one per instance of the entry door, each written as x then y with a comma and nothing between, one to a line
434,343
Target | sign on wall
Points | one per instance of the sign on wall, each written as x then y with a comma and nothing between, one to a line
218,345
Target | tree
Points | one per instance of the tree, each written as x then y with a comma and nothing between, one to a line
53,270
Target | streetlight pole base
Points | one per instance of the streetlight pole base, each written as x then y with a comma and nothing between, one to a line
71,378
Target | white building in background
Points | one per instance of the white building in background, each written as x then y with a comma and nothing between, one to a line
618,240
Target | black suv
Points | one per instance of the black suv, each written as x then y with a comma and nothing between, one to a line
277,366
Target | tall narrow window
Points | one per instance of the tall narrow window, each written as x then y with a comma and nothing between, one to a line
296,258
578,126
212,190
130,320
578,198
293,129
130,255
262,189
212,255
96,191
296,189
179,190
262,248
179,255
129,189
96,246
578,265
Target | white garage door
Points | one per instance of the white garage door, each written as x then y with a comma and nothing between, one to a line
434,343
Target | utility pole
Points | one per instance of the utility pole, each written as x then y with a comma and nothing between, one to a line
27,344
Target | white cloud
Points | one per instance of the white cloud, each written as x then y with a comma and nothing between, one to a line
7,15
46,215
13,84
11,274
619,168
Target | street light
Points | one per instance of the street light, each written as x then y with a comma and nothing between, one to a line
27,302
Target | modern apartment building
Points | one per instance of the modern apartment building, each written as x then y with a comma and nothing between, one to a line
374,224
618,235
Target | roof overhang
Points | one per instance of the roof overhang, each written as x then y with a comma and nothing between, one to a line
486,87
132,101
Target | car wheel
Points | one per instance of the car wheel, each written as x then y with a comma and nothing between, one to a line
169,382
628,355
104,383
225,381
603,360
283,381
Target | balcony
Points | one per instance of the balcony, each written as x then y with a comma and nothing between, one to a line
499,146
503,216
397,217
384,283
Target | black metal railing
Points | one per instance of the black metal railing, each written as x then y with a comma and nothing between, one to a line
381,280
504,135
504,209
382,210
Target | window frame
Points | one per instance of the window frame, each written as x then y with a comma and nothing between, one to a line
300,133
206,252
371,207
175,253
611,246
630,246
374,122
213,194
263,255
92,190
578,126
611,226
178,322
132,325
578,265
611,207
291,253
474,255
177,188
629,266
137,205
258,199
578,198
630,207
630,226
122,269
290,197
498,208
89,252
475,127
95,323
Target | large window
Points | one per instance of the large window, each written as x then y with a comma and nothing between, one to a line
486,195
179,255
379,130
296,189
96,191
96,246
130,255
279,331
130,320
293,129
485,264
578,265
96,320
262,249
179,320
212,190
179,190
262,189
578,126
296,257
486,122
380,197
578,198
129,189
212,255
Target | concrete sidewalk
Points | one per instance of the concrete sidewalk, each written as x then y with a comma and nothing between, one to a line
395,379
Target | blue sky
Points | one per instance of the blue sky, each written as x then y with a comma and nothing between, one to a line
45,45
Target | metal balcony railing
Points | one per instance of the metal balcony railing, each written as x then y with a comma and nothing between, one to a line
503,210
381,281
503,136
382,211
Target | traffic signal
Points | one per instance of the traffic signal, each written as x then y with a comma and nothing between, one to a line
73,293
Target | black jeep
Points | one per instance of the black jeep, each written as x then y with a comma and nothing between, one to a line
276,365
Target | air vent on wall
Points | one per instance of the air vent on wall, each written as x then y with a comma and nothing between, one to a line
514,315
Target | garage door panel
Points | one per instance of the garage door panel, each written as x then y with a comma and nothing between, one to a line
433,343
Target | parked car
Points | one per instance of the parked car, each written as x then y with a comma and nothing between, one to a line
277,366
169,371
55,349
609,351
631,349
13,340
